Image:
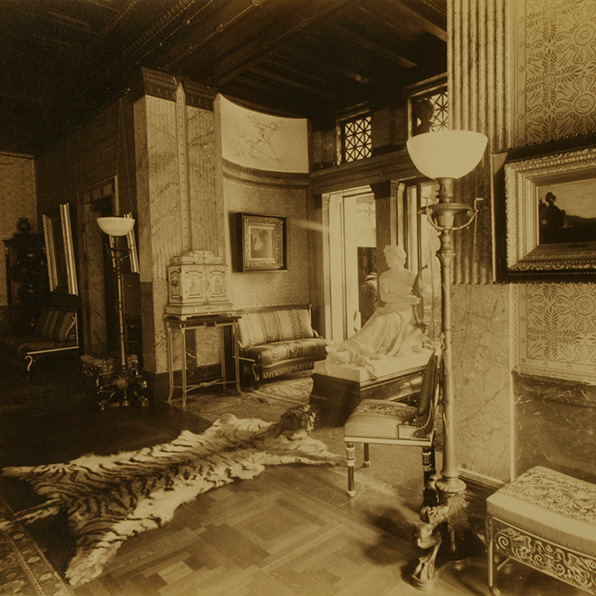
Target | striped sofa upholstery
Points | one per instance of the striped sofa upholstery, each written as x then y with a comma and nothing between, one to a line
279,340
56,330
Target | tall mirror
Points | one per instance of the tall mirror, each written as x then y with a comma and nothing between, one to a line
59,244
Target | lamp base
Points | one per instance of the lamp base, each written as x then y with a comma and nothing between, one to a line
442,525
115,384
125,384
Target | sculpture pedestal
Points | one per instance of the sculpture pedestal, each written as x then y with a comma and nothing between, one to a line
337,394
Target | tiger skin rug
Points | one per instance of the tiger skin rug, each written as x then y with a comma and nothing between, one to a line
110,498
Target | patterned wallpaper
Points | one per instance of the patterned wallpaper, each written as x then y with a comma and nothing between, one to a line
555,90
556,69
17,197
556,333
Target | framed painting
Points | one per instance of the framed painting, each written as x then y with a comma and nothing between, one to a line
60,255
546,230
263,242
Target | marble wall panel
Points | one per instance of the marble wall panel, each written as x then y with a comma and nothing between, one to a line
554,425
481,357
162,205
142,184
206,207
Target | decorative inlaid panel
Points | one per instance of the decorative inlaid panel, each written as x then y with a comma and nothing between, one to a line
556,560
556,68
556,330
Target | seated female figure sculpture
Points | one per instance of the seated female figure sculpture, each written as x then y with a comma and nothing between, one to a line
391,331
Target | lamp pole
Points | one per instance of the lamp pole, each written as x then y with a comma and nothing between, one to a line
445,156
442,217
126,377
450,487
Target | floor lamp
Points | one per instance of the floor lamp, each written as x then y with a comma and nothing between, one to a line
126,379
445,156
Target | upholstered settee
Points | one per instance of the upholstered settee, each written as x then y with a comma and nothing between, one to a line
277,340
56,331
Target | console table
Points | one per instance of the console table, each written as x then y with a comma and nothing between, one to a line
183,324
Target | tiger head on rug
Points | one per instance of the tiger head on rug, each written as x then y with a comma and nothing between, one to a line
304,416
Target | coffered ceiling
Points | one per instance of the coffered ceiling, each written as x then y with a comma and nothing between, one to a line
62,60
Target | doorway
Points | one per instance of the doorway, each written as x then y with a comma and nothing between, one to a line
349,252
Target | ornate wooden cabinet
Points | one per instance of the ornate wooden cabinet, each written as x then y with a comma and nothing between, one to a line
26,276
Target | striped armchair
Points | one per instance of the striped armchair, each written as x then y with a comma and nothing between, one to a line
56,330
278,340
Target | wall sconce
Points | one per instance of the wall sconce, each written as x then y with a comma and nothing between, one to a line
445,156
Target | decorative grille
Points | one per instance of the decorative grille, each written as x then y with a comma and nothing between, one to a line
430,111
356,139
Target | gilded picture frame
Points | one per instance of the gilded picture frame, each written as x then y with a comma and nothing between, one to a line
263,242
548,227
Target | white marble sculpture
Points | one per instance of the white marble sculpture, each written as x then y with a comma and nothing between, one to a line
390,340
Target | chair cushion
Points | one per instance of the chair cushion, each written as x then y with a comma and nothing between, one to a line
385,420
276,352
551,505
24,344
274,325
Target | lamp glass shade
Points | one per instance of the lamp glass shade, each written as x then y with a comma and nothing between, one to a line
116,226
447,153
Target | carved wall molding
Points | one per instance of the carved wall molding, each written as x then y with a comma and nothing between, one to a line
264,178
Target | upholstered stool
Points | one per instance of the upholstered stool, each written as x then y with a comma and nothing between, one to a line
546,520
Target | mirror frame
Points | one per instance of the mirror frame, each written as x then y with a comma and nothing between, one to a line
57,230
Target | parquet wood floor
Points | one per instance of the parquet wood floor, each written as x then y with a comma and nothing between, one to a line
291,531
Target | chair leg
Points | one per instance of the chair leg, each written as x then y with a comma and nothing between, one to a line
350,458
492,564
366,462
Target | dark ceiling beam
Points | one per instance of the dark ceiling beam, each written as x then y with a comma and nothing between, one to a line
292,82
20,98
349,35
68,21
359,69
314,56
107,5
431,16
262,46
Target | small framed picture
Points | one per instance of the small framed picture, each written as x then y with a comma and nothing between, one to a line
263,242
549,217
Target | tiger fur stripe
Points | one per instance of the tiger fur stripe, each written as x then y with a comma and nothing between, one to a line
109,498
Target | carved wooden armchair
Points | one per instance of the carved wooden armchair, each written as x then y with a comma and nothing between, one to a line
396,423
